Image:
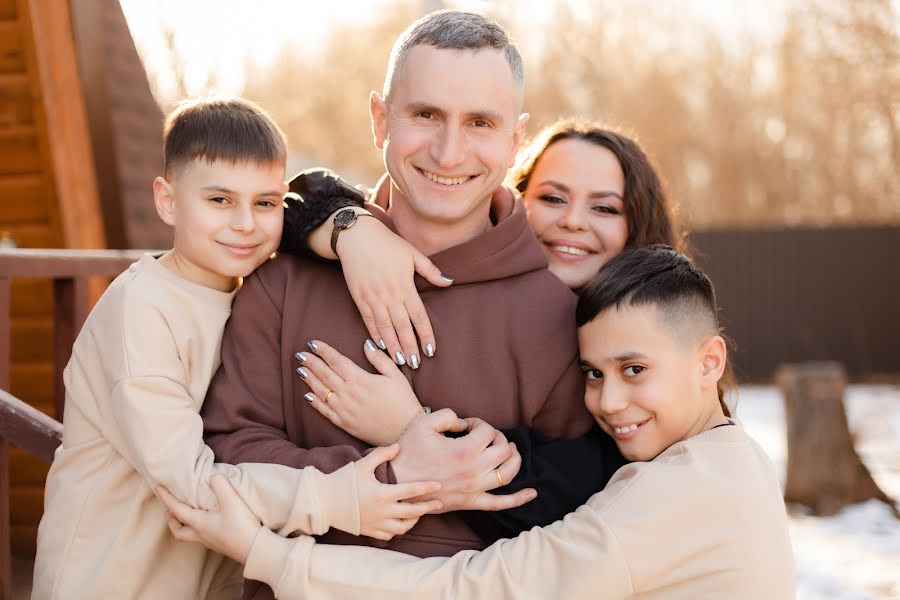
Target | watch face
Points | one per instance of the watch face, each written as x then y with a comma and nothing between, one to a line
344,219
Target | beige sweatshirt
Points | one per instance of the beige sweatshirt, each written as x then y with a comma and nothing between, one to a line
134,387
705,519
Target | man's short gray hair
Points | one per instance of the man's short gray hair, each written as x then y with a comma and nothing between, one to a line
455,30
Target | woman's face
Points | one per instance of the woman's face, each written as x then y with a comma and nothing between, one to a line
575,206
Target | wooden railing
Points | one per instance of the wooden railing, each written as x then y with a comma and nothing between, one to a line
20,424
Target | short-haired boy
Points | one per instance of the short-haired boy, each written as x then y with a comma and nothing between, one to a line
139,372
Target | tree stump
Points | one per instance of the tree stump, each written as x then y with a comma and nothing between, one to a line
824,472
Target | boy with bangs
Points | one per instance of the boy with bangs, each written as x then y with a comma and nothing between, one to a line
697,514
138,376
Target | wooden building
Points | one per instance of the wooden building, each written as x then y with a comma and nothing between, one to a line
80,142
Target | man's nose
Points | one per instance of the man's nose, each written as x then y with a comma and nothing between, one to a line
449,147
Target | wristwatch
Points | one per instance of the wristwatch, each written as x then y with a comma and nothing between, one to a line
343,220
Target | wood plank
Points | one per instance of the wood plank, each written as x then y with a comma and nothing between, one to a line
71,303
66,263
32,298
23,199
15,100
29,235
23,540
26,504
28,428
26,469
7,9
31,339
19,152
33,382
12,58
62,119
5,538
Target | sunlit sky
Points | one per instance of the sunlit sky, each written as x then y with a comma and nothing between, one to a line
229,37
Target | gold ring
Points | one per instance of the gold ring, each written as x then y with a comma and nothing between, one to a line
499,479
327,396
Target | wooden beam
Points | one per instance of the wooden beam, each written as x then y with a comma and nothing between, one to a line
33,263
28,428
62,119
5,554
71,298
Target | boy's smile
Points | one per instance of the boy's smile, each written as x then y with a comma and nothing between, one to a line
647,388
227,219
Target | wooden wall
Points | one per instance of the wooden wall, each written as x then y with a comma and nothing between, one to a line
48,199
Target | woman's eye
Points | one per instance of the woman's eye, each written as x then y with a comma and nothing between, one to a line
552,199
593,375
634,370
607,210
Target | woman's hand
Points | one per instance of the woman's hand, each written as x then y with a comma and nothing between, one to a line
373,408
228,530
385,510
379,267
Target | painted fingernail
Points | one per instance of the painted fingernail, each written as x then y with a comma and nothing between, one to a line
301,357
309,397
414,361
370,346
382,345
446,277
429,350
303,373
312,346
398,358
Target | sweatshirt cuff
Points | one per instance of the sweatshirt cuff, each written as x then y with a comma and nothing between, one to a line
339,499
268,557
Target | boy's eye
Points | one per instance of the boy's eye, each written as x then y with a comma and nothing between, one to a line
634,370
266,203
593,374
219,199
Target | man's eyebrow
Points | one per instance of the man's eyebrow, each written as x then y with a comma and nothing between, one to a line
418,107
486,115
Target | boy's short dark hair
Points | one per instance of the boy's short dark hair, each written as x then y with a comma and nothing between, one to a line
660,276
229,129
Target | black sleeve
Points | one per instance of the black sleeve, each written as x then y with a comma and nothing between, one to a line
565,473
316,194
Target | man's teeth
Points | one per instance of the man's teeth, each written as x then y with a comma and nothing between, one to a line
626,429
570,250
445,180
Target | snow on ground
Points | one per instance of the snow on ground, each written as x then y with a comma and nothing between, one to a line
854,555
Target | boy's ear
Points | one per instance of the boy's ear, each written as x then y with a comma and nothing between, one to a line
378,113
714,358
164,199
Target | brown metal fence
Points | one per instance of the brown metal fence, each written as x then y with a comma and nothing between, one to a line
803,294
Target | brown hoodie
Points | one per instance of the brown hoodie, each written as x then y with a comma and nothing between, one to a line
507,354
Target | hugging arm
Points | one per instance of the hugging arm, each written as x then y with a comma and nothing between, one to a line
565,473
378,265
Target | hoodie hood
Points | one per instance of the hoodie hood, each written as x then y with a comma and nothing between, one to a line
507,249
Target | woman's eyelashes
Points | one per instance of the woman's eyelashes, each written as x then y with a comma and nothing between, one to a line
552,198
602,209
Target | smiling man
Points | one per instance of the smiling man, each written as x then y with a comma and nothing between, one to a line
449,123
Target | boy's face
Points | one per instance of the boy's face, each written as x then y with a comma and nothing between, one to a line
647,389
227,218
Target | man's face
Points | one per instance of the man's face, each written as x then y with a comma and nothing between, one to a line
646,389
227,217
449,131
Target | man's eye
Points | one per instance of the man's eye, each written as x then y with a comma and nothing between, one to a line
425,114
634,370
593,375
481,123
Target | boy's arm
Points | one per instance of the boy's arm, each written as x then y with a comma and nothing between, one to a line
576,558
565,473
243,414
154,424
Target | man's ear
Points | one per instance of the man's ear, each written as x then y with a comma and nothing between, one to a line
518,136
378,113
713,358
164,199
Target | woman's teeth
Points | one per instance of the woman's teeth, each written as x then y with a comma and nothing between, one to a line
570,250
